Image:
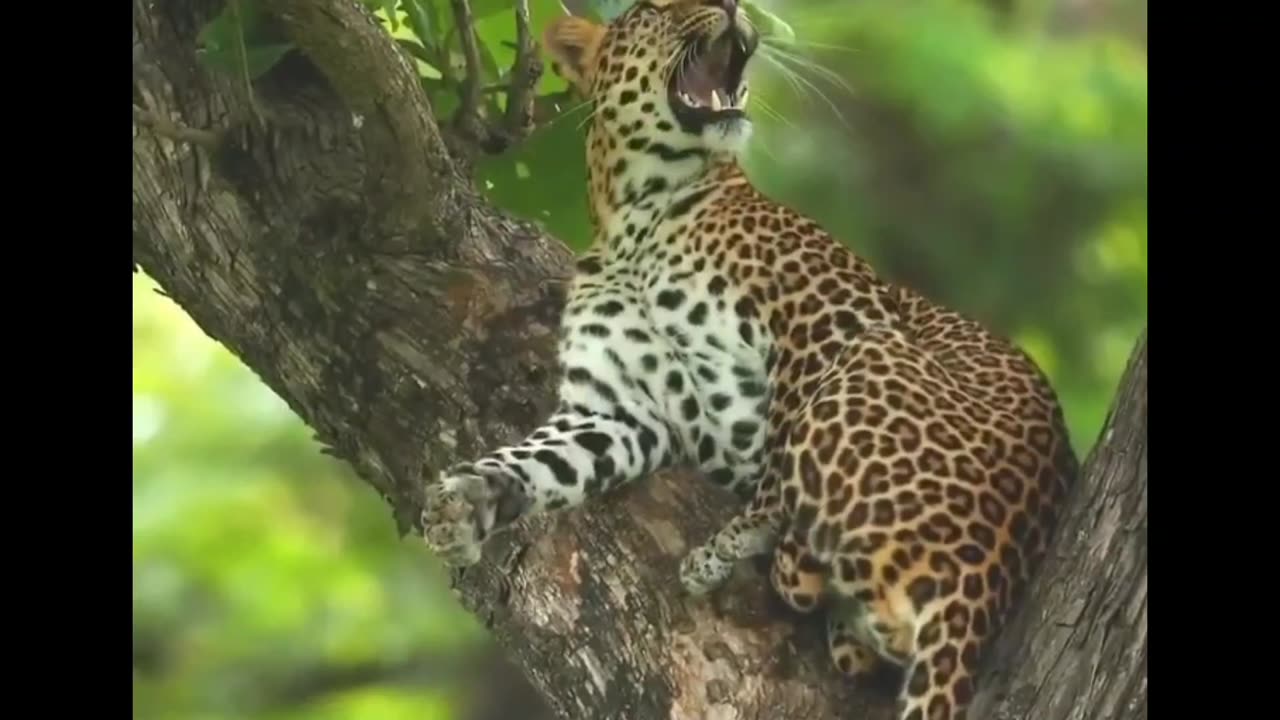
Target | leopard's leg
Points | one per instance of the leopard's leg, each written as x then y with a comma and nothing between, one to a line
941,676
796,575
610,428
575,455
753,532
847,645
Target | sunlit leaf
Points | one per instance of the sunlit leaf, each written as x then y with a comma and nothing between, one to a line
485,8
389,7
491,72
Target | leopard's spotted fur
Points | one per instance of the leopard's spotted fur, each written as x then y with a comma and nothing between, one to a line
904,466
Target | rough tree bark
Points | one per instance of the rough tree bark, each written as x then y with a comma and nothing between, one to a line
324,232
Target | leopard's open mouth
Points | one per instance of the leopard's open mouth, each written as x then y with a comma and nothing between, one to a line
708,84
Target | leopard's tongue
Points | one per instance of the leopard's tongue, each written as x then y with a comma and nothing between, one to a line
707,75
698,83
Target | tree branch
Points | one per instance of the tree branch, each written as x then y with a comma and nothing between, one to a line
404,356
1086,634
380,88
173,130
469,108
518,119
525,73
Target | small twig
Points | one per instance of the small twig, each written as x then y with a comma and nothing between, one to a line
243,52
518,120
468,111
165,127
525,73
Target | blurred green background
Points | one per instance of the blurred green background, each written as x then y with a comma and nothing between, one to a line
993,154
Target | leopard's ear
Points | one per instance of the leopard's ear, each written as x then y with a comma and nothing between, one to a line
572,42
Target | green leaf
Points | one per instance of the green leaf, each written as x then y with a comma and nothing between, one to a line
768,24
485,8
389,7
580,8
257,60
219,34
434,85
416,50
492,73
424,20
498,32
531,179
607,10
444,99
236,42
263,58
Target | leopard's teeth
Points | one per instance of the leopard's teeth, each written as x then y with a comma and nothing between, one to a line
715,101
742,101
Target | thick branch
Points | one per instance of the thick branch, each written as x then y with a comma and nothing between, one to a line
1081,649
181,133
380,87
405,356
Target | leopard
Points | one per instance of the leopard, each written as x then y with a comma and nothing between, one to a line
901,466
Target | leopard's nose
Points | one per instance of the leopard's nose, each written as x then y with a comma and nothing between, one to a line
729,6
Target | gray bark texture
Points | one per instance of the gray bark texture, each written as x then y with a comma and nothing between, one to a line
325,230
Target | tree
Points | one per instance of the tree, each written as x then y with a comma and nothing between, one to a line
327,230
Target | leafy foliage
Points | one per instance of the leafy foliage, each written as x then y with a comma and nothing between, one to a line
261,566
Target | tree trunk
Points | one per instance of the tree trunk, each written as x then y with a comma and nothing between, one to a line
325,233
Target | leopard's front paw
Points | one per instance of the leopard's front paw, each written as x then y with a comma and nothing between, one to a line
702,571
451,518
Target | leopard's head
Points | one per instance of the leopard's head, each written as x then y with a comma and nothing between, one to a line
666,80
